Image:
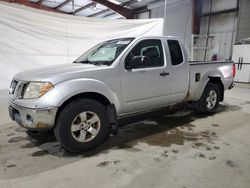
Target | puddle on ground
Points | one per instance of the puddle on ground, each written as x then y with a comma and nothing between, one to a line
165,154
17,139
159,128
247,102
106,163
215,125
103,164
199,155
11,166
176,136
125,146
128,148
227,108
225,143
199,145
31,145
39,153
216,147
231,164
175,151
212,158
11,134
21,129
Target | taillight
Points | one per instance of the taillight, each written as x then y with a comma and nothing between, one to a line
234,70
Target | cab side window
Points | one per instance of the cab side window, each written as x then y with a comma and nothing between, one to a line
175,52
149,49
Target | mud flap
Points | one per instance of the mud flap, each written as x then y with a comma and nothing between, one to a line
113,119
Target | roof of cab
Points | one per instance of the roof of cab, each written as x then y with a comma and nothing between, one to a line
168,37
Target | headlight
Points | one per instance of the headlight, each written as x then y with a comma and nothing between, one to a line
37,89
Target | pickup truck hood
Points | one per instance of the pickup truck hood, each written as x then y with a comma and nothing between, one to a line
57,73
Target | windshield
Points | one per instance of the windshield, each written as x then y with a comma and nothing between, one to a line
104,53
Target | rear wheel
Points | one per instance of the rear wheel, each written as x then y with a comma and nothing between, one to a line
209,100
82,125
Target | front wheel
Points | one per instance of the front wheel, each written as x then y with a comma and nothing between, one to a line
209,100
82,125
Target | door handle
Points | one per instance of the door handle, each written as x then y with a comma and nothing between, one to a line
163,74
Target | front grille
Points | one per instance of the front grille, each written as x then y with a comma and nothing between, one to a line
13,87
17,89
20,90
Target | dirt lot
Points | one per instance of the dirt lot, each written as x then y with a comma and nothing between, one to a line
167,148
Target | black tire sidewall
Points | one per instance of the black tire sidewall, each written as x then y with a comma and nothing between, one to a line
203,103
66,117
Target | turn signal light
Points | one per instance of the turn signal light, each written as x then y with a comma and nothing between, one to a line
45,88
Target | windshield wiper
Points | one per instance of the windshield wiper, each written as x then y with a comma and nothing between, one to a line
91,62
87,62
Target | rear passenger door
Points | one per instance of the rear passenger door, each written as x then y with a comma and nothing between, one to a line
179,71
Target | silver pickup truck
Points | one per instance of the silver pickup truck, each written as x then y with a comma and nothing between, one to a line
82,101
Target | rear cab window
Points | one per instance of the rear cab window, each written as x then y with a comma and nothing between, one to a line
175,52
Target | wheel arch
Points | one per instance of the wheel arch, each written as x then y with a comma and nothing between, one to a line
217,80
111,109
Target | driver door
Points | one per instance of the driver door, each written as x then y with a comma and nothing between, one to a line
145,86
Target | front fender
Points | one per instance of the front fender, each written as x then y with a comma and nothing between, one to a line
67,89
73,87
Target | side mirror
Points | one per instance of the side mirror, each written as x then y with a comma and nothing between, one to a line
136,62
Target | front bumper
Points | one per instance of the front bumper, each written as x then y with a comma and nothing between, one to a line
33,119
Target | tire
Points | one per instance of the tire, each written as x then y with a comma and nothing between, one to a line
207,104
76,124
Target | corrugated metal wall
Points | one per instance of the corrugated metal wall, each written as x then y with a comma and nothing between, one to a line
179,19
244,19
222,26
226,28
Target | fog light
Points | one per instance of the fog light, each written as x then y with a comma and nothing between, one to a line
29,120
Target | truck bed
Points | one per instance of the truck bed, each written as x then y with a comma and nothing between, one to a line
199,71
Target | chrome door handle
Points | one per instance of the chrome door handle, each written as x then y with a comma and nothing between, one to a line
163,74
